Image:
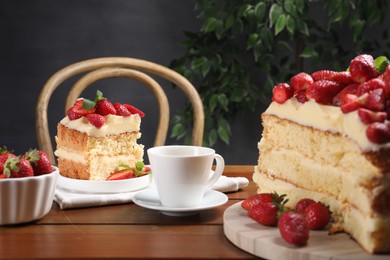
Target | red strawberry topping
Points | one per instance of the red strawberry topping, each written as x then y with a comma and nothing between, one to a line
80,110
39,161
105,107
301,97
134,110
282,92
301,81
378,133
362,68
121,110
96,120
323,91
323,75
4,155
17,168
370,85
264,213
121,175
343,77
340,99
368,116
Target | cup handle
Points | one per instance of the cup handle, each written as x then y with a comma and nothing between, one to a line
218,171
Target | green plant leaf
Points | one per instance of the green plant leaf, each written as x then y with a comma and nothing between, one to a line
223,130
260,11
274,13
308,53
280,24
290,24
229,22
252,39
212,138
198,63
178,131
213,102
211,25
223,101
300,5
358,29
290,7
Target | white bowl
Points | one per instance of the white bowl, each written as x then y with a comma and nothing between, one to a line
26,199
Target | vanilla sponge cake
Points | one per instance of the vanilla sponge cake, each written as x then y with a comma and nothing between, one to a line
90,153
310,150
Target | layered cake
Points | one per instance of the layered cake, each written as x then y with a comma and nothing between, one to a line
95,137
326,136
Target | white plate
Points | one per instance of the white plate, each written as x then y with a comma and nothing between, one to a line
149,199
118,186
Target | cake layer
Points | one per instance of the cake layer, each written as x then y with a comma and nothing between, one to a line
326,118
114,125
73,140
371,232
97,167
323,162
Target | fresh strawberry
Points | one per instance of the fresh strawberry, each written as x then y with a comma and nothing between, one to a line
323,91
368,116
72,115
121,175
323,75
121,110
138,170
282,92
264,213
79,109
18,168
4,154
340,99
343,77
2,176
134,110
317,216
105,107
301,81
370,85
375,100
362,68
300,95
302,204
293,228
378,133
39,161
96,120
267,213
262,198
353,102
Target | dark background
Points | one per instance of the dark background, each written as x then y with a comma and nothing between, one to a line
40,37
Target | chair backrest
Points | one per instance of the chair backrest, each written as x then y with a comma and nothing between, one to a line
111,67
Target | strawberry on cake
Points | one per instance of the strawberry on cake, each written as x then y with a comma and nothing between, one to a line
96,137
326,136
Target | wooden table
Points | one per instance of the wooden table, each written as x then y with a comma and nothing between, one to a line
126,231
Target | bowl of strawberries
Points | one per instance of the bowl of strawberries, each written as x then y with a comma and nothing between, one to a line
27,185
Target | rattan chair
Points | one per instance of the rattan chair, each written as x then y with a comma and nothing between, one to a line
110,67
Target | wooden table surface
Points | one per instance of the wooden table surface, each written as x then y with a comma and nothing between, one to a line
126,231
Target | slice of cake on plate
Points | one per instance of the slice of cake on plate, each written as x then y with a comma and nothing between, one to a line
95,137
326,136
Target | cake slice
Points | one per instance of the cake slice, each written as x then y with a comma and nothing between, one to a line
93,140
330,141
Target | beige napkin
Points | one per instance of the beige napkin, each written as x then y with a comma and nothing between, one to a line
67,199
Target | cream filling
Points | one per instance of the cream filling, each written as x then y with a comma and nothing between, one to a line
69,155
114,125
326,118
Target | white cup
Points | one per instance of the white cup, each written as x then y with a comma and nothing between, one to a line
182,173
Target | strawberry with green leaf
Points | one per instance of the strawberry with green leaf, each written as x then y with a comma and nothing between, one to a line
4,155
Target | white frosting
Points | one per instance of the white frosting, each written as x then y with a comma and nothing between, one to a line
70,155
114,125
326,118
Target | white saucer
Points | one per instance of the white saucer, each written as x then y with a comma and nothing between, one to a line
149,199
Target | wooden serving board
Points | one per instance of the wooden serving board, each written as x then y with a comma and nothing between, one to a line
266,242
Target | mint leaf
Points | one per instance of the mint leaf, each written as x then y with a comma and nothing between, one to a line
381,63
99,96
88,104
124,166
139,166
